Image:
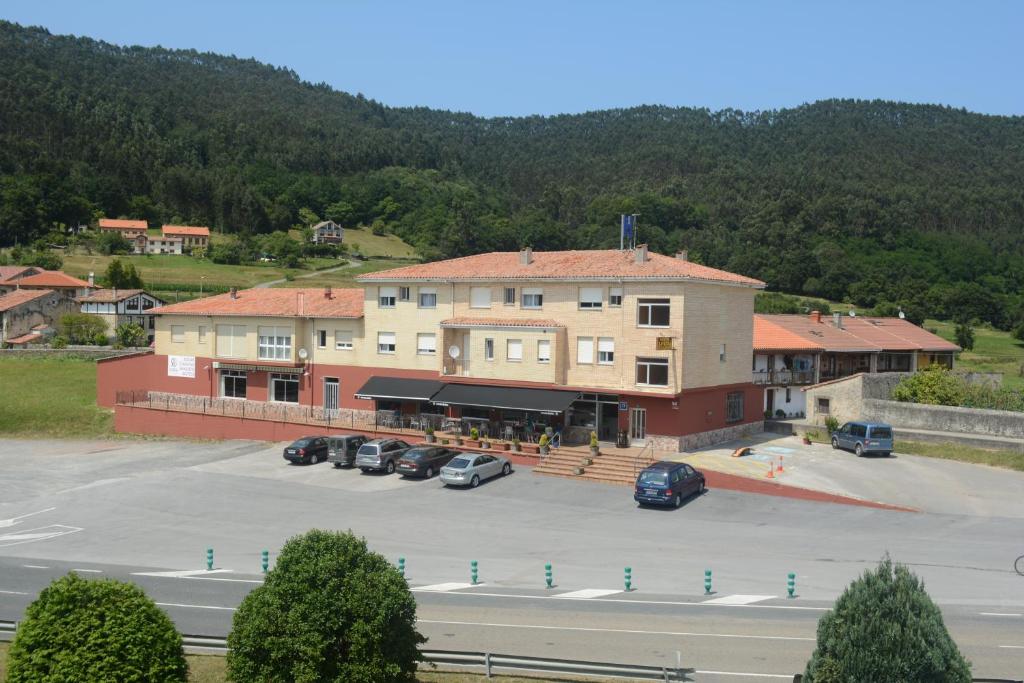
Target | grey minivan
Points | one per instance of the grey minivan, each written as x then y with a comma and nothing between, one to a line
864,437
341,448
380,454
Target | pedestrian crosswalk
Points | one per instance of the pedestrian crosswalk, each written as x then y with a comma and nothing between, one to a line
738,599
587,593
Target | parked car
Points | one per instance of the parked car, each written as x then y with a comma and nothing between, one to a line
309,450
864,437
425,461
668,483
341,449
469,469
380,454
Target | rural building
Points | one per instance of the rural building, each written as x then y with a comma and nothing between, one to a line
119,306
192,237
794,351
328,232
146,244
62,283
513,342
25,314
9,274
129,229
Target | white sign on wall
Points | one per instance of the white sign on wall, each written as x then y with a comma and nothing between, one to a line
181,366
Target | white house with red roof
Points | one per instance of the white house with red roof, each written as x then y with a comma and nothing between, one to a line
191,236
127,228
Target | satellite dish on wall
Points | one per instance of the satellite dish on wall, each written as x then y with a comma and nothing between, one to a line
853,313
454,351
303,354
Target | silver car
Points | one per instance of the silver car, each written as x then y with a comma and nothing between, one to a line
469,469
380,454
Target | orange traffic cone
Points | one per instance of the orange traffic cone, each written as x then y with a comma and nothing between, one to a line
780,465
771,469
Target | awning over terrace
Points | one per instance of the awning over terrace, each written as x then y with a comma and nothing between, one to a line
506,398
398,388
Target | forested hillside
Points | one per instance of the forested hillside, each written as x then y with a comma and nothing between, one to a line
873,202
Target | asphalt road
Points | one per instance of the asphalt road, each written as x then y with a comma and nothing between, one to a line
124,507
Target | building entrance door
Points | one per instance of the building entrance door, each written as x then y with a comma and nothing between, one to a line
769,405
638,424
331,397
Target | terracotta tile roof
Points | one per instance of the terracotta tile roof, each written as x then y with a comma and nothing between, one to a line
284,303
857,335
499,322
109,296
122,224
190,230
7,272
25,338
607,264
21,296
54,279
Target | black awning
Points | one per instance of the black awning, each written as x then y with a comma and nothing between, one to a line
508,398
399,388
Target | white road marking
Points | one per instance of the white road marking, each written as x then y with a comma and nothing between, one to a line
999,614
13,593
738,599
587,593
184,573
38,534
94,484
87,571
4,523
1013,647
641,602
445,587
541,627
788,677
176,604
34,566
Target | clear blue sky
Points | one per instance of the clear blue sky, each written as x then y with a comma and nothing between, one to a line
521,57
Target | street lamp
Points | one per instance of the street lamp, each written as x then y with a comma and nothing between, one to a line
201,278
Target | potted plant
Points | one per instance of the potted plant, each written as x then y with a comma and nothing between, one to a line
544,442
444,442
429,435
485,443
474,434
808,436
458,439
593,444
516,445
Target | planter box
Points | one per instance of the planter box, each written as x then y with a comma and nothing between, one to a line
530,448
471,443
501,446
485,444
429,438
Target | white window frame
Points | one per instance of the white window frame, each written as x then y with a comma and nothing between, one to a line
320,337
340,341
404,293
426,350
384,340
425,292
277,345
532,298
543,350
475,297
584,350
276,377
234,374
201,334
510,296
387,297
650,304
648,362
511,344
613,294
721,353
605,351
591,298
178,334
489,349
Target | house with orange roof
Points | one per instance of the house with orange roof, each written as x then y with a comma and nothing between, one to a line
119,306
631,345
26,313
129,229
191,236
56,280
791,351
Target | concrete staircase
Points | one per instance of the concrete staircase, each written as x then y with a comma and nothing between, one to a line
608,468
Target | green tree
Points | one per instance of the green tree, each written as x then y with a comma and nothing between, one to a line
308,217
46,259
884,627
285,249
934,385
965,336
131,334
340,212
82,328
109,242
122,275
329,610
95,630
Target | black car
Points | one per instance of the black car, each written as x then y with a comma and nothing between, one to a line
309,450
424,461
667,483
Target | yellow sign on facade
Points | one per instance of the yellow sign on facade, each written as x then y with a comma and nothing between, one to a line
664,344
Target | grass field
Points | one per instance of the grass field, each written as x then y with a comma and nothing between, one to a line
347,276
994,351
371,246
51,397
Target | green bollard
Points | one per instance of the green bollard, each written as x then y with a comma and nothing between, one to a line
401,566
473,571
265,560
629,579
791,584
209,559
547,575
707,582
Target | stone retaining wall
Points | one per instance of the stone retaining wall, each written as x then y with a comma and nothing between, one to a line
1002,423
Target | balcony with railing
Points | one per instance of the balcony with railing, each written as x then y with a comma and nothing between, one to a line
784,377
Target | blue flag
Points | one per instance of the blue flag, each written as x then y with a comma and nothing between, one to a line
627,225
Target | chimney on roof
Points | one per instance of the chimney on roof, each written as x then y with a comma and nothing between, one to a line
683,255
234,292
92,279
525,256
327,292
815,316
640,254
837,320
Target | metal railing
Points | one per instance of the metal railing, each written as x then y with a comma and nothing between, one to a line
637,466
784,376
